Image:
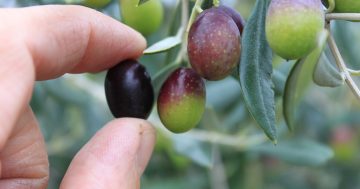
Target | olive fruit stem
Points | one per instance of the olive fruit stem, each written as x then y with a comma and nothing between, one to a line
341,65
182,34
354,72
216,3
199,10
165,69
343,16
331,6
194,13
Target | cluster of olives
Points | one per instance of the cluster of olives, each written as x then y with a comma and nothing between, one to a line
214,45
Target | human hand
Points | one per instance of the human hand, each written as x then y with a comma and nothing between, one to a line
41,43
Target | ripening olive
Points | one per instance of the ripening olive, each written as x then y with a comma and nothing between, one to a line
292,26
128,90
181,101
214,44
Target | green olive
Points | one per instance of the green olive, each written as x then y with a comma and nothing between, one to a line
145,18
292,26
345,6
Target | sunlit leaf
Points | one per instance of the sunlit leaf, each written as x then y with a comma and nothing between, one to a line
163,45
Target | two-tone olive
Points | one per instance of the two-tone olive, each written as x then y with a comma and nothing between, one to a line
181,102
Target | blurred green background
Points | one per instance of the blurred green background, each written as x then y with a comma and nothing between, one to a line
227,150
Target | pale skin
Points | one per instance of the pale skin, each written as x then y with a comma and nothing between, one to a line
45,42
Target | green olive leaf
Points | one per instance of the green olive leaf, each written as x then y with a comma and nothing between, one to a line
256,70
299,79
298,152
326,74
165,44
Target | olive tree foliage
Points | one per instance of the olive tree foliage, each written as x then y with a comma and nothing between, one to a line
261,124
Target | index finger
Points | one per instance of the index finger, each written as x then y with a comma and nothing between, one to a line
75,39
44,42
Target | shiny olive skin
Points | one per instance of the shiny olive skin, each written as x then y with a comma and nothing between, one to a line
128,90
181,101
214,44
239,21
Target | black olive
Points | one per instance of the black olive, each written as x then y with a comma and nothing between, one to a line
128,90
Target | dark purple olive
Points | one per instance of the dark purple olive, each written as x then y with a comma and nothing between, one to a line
128,90
239,21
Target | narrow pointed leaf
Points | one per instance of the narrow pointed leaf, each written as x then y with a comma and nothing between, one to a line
166,44
163,45
256,70
326,74
299,79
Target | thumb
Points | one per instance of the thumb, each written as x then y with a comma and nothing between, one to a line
114,158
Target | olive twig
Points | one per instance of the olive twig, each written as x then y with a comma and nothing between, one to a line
194,13
240,143
343,16
331,6
341,65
